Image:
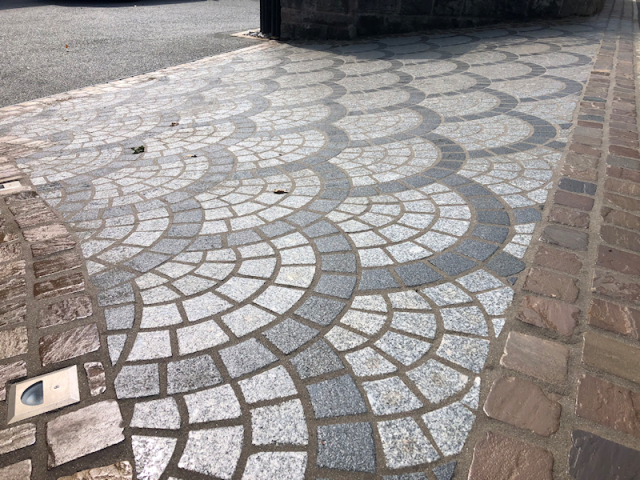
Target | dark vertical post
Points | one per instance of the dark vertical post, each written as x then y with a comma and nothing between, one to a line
270,17
275,23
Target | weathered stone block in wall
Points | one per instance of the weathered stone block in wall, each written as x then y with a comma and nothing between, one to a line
295,4
335,6
404,23
378,6
581,7
545,7
448,7
484,8
514,8
416,7
370,24
343,19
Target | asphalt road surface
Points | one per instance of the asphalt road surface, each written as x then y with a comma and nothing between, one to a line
52,46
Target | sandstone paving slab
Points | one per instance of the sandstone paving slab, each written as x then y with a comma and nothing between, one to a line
608,404
612,356
14,438
117,471
524,405
17,471
594,457
556,316
69,344
96,377
497,456
90,429
534,356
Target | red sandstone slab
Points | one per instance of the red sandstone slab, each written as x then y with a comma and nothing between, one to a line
573,200
620,218
12,269
542,359
10,251
614,259
56,264
620,201
608,404
44,232
569,216
565,237
595,458
552,284
622,238
557,259
11,371
31,213
71,343
617,286
611,356
53,245
523,404
497,457
542,312
615,318
623,188
70,283
65,311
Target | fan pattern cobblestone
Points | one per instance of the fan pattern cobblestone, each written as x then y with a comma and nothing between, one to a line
305,270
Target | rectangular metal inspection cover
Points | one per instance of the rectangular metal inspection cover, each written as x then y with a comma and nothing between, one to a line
43,394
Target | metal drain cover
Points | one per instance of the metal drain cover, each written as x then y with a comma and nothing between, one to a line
9,185
43,394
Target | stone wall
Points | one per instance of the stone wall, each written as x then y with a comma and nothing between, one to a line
345,19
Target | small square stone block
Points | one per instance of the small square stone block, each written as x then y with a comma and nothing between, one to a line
617,286
559,317
498,457
90,429
69,344
347,447
611,356
551,284
117,471
534,356
609,404
524,405
60,286
595,458
615,318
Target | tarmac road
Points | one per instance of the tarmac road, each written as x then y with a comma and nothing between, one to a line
109,40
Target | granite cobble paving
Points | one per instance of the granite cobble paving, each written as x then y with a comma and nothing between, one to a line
319,263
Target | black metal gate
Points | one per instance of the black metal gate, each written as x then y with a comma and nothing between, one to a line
270,17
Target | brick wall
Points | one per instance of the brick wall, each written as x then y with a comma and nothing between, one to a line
344,19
